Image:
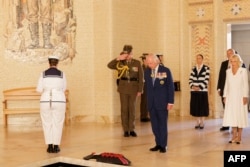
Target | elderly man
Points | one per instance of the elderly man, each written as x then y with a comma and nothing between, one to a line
160,96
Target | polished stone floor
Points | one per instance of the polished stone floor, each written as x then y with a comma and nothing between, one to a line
21,144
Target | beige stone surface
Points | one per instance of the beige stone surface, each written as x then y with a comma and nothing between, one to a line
103,27
23,146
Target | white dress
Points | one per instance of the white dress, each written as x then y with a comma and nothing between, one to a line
236,87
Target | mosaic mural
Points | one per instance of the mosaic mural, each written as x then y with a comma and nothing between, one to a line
36,29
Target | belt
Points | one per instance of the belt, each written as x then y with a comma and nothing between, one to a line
129,79
53,90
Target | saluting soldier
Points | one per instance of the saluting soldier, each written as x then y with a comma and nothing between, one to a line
52,85
130,87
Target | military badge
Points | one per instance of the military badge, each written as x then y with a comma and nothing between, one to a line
161,82
161,75
135,69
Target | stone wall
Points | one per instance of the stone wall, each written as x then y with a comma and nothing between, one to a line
178,29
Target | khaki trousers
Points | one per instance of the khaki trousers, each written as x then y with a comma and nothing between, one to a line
128,102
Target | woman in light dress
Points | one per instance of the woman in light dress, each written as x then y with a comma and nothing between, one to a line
236,98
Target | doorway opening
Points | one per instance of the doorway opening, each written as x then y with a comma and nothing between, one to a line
238,38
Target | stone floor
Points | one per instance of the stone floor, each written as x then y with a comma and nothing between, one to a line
24,145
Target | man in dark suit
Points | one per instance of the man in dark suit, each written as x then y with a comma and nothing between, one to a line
222,78
160,96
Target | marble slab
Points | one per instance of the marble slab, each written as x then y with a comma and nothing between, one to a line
67,160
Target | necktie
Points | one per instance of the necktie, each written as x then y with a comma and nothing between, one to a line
153,76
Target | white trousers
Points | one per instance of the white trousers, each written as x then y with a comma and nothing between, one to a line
52,120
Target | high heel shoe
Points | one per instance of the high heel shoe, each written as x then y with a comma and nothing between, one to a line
234,140
238,141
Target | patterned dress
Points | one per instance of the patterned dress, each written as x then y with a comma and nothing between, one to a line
199,106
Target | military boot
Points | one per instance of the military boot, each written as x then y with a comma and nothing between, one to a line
46,35
34,34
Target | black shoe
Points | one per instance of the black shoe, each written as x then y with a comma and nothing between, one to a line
56,149
162,150
202,127
197,127
126,134
50,148
145,120
223,128
132,133
155,148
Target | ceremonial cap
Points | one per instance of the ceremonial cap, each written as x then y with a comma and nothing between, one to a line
127,48
143,56
53,57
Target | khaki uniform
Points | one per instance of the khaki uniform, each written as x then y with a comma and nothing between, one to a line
130,83
143,106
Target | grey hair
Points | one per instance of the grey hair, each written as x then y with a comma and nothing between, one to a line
154,57
238,58
232,50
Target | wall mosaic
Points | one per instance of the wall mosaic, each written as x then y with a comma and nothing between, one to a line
36,29
202,39
202,42
236,10
200,13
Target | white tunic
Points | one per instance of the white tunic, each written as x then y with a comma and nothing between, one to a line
236,87
52,85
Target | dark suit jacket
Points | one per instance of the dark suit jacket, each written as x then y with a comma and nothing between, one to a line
222,76
162,92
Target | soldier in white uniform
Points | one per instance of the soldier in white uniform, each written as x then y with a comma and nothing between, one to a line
52,85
